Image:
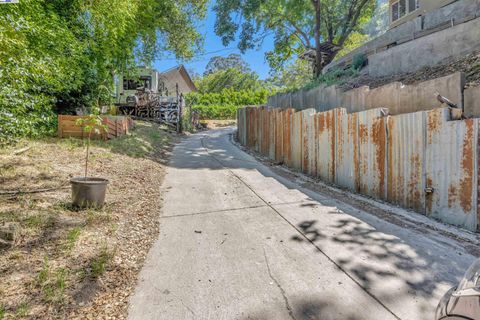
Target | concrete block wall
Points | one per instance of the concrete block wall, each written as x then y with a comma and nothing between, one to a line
397,97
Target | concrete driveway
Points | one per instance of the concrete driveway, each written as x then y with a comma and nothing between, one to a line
239,241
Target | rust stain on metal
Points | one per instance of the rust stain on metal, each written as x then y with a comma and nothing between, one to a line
390,186
379,137
468,168
434,123
331,129
414,195
353,133
452,195
305,150
363,133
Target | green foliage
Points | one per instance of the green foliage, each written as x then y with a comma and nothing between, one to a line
52,283
217,111
232,61
292,23
57,55
359,61
333,77
229,97
72,238
98,265
232,78
355,40
293,76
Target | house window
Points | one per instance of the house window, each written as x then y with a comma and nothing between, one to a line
395,16
402,7
133,84
412,5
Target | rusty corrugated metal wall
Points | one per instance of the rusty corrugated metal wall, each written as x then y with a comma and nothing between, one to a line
423,161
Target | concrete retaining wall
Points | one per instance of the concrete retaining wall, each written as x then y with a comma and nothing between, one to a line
423,161
472,102
415,31
426,51
398,98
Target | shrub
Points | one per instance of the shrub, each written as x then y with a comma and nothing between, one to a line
217,111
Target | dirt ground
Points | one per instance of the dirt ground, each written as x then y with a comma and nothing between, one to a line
78,264
216,124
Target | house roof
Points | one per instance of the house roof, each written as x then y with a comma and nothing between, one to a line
178,75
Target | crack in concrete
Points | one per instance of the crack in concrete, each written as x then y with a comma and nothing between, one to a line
338,266
235,209
282,291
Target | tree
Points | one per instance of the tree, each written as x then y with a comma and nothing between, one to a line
293,76
64,53
231,78
297,25
222,63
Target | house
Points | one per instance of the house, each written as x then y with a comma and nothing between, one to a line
402,11
176,76
173,83
422,33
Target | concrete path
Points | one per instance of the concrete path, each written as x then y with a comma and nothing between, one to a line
238,241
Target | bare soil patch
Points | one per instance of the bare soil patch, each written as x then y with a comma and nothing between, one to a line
78,264
216,124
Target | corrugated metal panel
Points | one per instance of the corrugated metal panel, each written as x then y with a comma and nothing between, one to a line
308,140
346,153
278,114
394,158
372,152
451,169
264,131
271,133
325,130
287,136
296,141
406,160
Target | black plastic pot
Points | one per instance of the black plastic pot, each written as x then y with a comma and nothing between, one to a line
88,192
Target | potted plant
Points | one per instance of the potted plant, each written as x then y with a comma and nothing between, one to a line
89,191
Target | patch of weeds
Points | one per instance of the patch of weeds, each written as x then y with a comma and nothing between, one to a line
72,238
98,265
52,284
96,216
2,312
26,201
38,221
71,143
22,310
9,216
66,206
43,274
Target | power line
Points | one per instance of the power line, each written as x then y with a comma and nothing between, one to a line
198,55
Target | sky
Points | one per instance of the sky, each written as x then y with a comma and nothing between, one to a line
214,47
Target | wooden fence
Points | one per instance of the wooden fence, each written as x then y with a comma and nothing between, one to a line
116,127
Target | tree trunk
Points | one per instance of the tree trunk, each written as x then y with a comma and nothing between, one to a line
318,53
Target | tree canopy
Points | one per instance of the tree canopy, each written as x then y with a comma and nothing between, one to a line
63,53
297,25
219,63
232,78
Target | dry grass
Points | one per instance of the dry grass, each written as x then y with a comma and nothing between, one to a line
68,263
